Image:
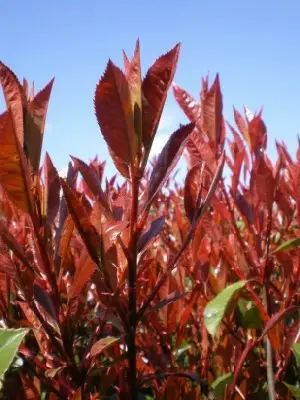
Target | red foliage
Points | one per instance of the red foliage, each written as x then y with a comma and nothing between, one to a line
113,281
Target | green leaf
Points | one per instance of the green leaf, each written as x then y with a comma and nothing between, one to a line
296,351
294,390
219,385
216,308
10,340
288,245
248,315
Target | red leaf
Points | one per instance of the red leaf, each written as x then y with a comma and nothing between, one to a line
103,344
155,88
258,135
82,222
199,150
242,125
94,184
192,190
34,125
262,182
13,164
240,363
134,78
168,158
115,118
44,300
211,113
187,103
52,189
15,99
84,271
152,232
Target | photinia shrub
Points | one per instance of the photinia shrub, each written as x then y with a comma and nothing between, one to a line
116,290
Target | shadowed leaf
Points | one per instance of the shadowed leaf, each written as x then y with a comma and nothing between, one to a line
52,190
82,222
152,232
168,158
192,190
288,245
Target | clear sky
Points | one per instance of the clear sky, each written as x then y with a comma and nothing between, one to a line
254,45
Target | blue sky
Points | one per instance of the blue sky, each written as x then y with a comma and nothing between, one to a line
253,45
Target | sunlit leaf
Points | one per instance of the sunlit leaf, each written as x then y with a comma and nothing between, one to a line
216,308
103,344
10,340
295,390
288,245
114,115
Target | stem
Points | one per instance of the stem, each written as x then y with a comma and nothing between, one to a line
131,332
269,353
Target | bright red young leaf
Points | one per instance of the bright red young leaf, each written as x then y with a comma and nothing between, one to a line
34,125
52,190
82,222
192,189
187,103
155,89
115,117
13,163
15,99
211,113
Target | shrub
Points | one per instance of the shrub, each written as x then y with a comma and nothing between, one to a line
125,290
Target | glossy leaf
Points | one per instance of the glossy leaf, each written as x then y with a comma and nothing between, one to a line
103,344
13,163
114,115
187,103
34,125
192,190
155,89
82,222
52,190
211,112
14,98
216,308
168,158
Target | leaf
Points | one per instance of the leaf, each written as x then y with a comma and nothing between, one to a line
258,135
273,321
13,163
103,344
134,78
262,173
34,125
44,300
170,299
82,222
211,112
219,385
10,340
192,189
84,272
52,190
249,315
187,103
168,159
152,232
93,183
296,352
114,115
288,245
216,308
14,98
155,88
295,390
